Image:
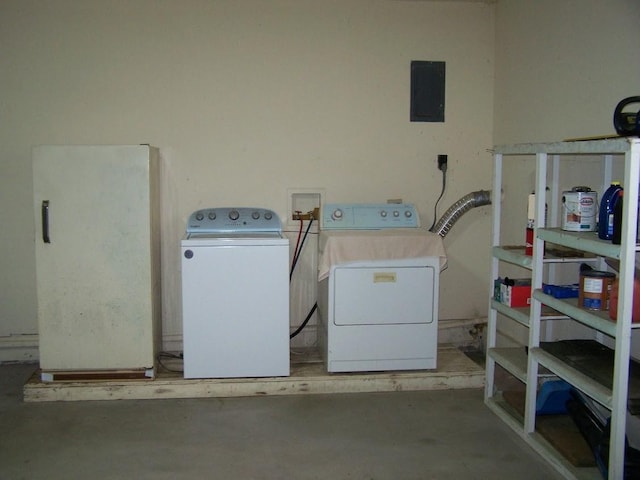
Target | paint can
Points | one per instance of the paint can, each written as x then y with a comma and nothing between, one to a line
579,209
595,289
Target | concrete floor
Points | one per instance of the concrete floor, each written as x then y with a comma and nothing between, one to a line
446,434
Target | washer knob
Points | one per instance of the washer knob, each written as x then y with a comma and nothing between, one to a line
408,213
199,216
396,213
212,215
268,216
234,215
337,214
255,215
383,214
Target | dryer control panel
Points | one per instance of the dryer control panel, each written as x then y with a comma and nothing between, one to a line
369,216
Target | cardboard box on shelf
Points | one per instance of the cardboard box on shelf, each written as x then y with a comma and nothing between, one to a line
513,292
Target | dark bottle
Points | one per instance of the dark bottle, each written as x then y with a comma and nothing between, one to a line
616,236
605,215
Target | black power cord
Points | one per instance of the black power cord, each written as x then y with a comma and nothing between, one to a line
171,355
442,166
306,320
296,256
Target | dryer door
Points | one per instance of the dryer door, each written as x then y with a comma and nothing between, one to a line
376,295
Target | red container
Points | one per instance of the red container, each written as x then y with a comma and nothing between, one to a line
613,301
528,245
518,294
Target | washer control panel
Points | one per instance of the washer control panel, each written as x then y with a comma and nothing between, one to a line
369,216
232,220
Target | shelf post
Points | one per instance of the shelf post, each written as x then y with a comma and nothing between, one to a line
625,305
536,283
496,206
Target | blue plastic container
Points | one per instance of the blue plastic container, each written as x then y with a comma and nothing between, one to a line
605,215
562,291
552,398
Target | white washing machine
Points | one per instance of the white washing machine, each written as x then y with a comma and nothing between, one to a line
235,294
378,289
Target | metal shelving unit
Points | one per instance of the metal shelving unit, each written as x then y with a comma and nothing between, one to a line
527,367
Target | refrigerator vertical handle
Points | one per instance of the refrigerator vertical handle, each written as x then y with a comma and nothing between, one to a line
45,221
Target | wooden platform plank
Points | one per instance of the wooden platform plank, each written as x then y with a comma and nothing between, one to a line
455,370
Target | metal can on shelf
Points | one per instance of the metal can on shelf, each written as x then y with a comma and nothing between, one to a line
595,289
579,209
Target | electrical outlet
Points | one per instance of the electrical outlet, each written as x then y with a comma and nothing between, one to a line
442,162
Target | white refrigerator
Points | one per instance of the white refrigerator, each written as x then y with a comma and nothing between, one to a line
97,251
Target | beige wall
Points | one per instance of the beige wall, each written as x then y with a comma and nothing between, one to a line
562,66
247,99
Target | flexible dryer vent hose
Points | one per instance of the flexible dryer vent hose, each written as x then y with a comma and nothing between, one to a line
462,206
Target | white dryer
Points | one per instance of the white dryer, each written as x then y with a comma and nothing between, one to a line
378,289
235,294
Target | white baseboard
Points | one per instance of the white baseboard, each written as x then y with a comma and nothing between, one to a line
19,348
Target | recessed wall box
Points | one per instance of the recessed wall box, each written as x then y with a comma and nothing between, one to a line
304,203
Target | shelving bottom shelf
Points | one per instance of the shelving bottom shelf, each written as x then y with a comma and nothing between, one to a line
588,366
555,437
585,364
560,463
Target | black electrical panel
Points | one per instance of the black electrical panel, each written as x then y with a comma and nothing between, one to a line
427,91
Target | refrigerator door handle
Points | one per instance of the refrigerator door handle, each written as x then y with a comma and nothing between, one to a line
45,221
